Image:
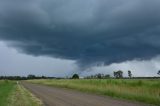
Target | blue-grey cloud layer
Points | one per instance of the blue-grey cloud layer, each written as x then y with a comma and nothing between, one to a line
88,31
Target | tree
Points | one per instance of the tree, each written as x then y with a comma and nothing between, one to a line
114,74
129,74
75,76
158,72
118,74
107,76
31,76
99,76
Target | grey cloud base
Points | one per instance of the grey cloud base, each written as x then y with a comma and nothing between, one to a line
91,32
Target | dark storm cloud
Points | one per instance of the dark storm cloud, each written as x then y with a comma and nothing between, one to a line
89,31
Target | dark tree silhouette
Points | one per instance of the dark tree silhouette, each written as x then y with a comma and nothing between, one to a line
99,76
118,74
129,74
158,72
114,74
31,76
75,76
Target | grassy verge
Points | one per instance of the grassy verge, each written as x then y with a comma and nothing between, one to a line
13,94
146,91
6,88
21,96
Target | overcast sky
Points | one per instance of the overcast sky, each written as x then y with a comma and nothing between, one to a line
62,37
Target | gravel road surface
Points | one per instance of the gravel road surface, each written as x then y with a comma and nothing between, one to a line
52,96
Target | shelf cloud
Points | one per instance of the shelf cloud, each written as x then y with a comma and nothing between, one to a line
91,32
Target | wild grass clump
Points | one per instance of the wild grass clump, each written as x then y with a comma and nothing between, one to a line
147,91
22,96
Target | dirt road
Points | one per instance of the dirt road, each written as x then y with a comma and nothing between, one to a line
63,97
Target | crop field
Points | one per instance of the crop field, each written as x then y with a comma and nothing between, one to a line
13,94
146,91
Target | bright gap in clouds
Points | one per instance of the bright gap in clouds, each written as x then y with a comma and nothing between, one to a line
138,68
15,63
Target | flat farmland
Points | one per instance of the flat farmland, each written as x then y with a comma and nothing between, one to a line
145,91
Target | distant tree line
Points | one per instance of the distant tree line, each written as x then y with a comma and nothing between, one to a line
117,74
24,78
12,78
98,76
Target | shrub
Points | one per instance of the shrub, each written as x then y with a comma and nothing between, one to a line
75,76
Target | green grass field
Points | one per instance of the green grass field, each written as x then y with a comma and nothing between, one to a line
6,88
146,91
13,94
